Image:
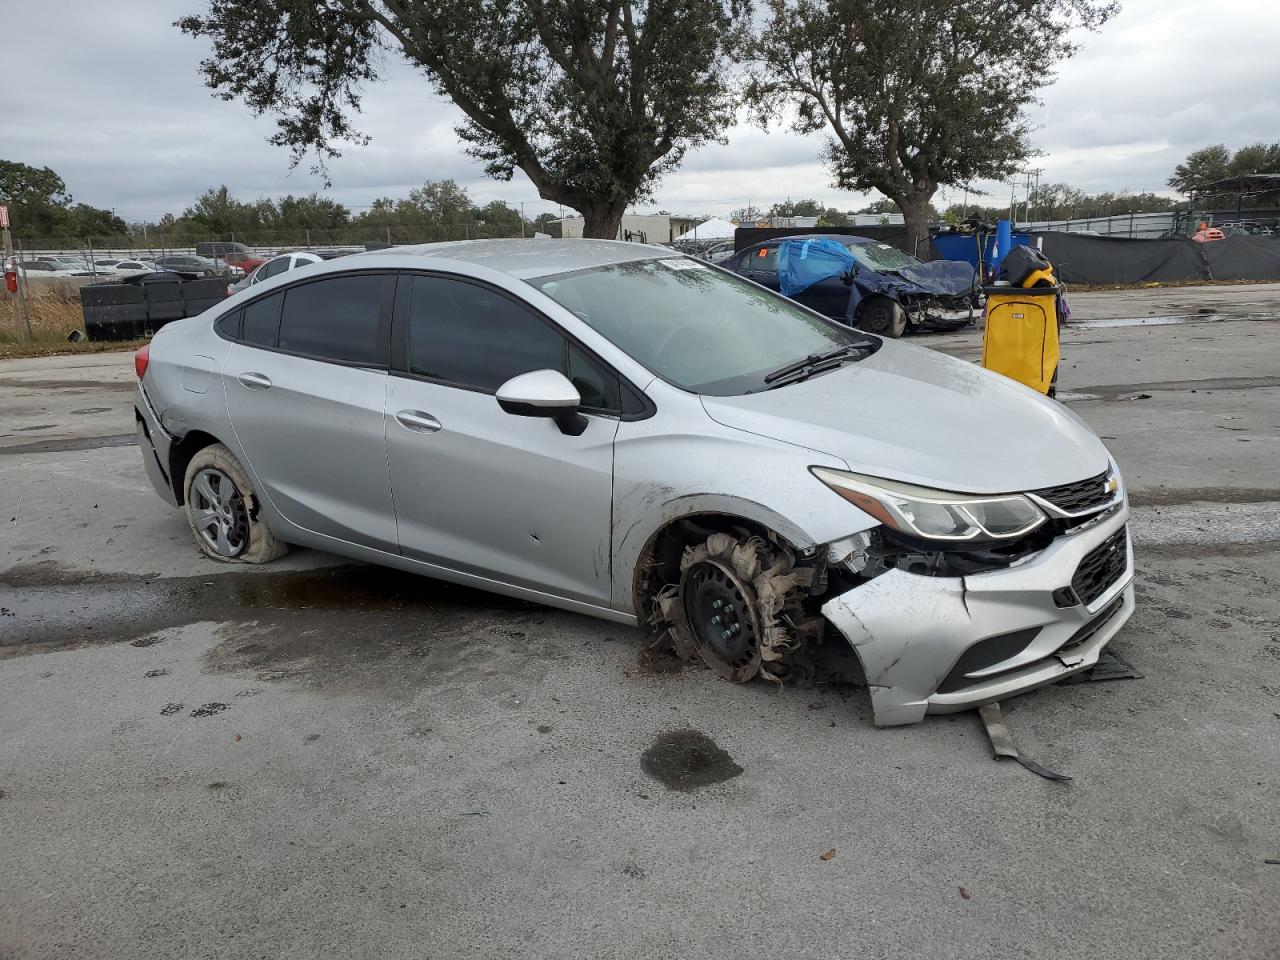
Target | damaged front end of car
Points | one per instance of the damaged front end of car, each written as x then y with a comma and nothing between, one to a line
952,601
959,617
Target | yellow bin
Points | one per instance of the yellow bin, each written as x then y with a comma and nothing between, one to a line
1020,335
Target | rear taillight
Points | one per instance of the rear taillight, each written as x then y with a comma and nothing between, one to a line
140,360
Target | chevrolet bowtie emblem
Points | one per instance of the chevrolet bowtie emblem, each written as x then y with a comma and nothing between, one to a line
1111,484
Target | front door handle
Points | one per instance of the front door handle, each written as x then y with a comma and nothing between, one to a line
255,381
418,421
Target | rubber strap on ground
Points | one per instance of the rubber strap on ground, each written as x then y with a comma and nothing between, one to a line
1002,743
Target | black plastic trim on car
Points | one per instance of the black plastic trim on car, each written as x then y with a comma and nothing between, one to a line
1080,497
984,654
641,407
1102,567
1085,633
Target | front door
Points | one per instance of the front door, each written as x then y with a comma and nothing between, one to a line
504,497
306,385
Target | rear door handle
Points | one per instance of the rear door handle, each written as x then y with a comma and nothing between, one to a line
255,381
418,421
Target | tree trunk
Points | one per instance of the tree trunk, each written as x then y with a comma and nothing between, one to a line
602,222
915,211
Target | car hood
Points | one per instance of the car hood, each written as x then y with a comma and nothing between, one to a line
910,414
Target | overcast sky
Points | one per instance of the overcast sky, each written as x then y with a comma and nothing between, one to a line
107,94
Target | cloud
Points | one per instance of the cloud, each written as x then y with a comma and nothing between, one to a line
113,101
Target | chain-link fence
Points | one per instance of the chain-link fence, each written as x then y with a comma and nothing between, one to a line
91,252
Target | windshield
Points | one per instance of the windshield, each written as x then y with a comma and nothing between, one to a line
701,328
882,256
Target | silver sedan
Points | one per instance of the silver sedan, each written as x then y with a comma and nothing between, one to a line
616,429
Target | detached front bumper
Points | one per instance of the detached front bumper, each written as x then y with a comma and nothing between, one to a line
911,632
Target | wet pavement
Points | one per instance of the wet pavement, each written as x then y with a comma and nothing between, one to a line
316,757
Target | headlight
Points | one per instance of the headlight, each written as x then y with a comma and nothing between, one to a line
934,514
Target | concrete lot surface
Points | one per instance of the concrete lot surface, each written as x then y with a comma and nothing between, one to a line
320,759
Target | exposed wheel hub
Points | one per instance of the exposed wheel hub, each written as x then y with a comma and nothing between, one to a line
721,613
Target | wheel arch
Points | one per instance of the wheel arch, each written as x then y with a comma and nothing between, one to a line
658,560
180,455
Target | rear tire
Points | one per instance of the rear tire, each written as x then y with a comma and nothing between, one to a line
223,510
882,316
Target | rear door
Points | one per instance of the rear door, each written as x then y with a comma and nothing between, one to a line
504,497
306,381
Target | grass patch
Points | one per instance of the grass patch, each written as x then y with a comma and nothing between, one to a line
52,319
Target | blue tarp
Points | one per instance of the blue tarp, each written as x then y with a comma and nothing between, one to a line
802,263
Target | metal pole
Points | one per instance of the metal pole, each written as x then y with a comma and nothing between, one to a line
521,219
93,267
20,300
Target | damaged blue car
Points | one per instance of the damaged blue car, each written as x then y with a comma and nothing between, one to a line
863,282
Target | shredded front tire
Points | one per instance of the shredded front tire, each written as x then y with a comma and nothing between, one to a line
737,606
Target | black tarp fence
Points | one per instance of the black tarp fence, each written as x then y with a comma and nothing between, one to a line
1084,259
127,311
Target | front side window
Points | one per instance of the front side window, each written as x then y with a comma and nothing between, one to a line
468,335
703,329
472,336
337,318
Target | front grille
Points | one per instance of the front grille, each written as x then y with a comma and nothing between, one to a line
1101,567
1091,494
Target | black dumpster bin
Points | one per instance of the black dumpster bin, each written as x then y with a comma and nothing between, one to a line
113,311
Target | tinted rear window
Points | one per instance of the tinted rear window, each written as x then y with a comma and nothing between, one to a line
335,319
261,321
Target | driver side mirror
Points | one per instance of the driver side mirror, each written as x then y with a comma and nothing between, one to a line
544,393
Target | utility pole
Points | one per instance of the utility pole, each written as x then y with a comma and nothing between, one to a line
20,295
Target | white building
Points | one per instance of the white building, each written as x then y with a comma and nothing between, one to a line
640,227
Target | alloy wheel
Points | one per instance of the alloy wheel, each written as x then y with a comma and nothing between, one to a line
219,511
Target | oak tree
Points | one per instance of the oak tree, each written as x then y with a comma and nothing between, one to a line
593,99
914,95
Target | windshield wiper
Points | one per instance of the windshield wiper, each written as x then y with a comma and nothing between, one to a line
814,363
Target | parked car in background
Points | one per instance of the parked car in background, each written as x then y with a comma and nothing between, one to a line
123,267
719,252
46,268
232,253
71,262
191,263
888,292
273,268
619,430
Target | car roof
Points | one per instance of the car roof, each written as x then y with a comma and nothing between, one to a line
845,238
524,259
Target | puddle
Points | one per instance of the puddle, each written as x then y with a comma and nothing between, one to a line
684,760
50,608
74,443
